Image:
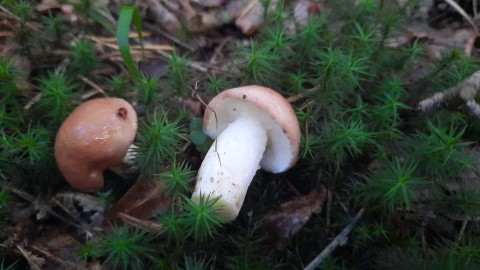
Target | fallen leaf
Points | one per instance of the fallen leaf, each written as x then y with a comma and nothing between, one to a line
293,215
143,200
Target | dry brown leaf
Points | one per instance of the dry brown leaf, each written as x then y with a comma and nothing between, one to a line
143,200
293,215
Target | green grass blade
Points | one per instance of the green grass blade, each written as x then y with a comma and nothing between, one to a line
127,16
101,20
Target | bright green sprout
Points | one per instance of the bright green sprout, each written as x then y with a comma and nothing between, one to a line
296,82
392,186
84,56
173,227
364,36
177,178
277,39
442,147
148,88
201,219
345,139
158,141
259,63
57,96
216,84
126,248
33,145
179,73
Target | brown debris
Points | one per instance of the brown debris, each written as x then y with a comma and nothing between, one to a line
293,215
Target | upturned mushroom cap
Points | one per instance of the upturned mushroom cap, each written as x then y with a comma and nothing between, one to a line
94,137
273,111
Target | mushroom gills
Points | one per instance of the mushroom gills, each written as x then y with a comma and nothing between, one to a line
230,165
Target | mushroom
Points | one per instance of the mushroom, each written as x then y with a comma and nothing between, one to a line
94,137
254,127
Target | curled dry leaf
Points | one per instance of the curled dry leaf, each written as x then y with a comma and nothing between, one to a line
293,215
143,200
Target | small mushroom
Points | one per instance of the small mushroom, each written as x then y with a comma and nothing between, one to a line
254,127
94,137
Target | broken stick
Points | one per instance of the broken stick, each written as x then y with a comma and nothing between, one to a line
461,95
339,240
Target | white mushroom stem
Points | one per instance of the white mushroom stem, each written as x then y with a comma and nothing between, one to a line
231,164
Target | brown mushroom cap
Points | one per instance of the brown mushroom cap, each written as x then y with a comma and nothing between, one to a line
94,137
272,110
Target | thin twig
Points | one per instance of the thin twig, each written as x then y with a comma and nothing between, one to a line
95,86
66,264
329,208
462,230
340,239
214,114
15,17
462,94
464,14
157,30
474,3
151,226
